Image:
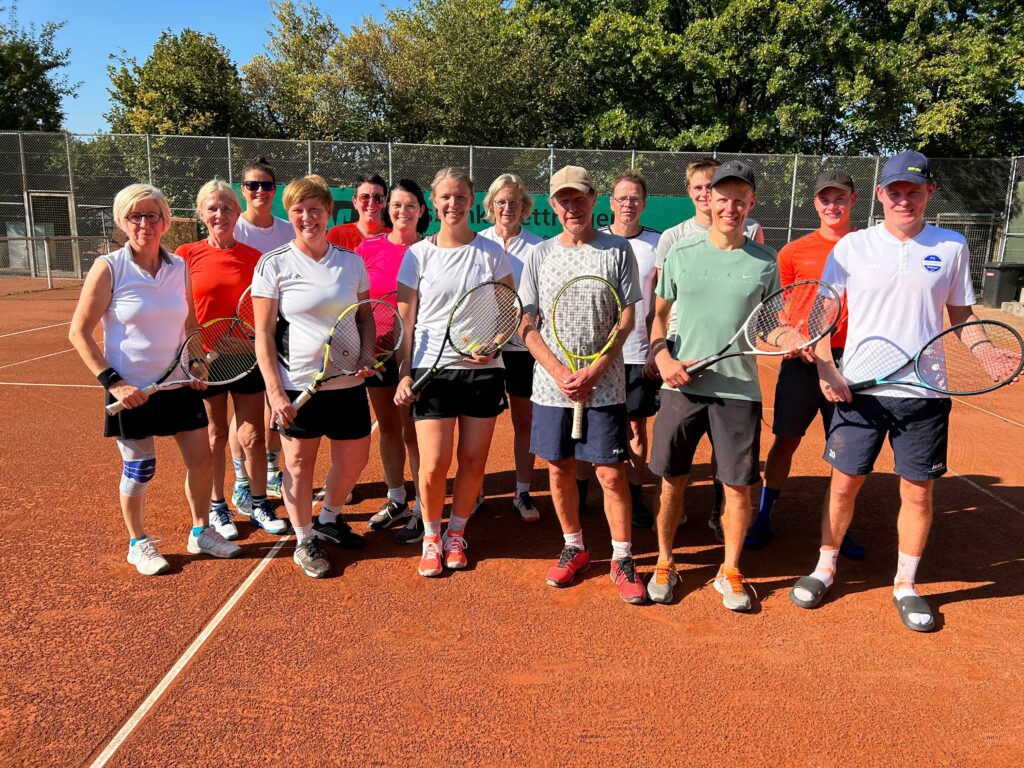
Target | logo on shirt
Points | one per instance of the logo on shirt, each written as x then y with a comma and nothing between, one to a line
932,262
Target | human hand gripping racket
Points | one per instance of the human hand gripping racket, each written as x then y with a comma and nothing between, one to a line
218,352
482,320
585,317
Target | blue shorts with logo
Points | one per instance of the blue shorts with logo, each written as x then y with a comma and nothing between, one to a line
604,438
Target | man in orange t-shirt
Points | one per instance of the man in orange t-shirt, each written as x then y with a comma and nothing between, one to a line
798,397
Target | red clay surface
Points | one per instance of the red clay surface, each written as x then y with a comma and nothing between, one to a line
378,666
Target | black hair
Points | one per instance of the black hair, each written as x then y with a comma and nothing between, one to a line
259,163
406,185
374,179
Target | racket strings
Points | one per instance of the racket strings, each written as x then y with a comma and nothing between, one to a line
971,358
345,347
245,311
487,317
220,351
585,315
792,318
387,330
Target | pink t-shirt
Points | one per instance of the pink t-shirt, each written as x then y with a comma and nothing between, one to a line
382,259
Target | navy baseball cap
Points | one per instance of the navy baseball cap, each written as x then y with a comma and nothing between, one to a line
907,166
734,169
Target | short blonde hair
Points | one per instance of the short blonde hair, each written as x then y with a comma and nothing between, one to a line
456,174
308,186
134,194
217,187
500,183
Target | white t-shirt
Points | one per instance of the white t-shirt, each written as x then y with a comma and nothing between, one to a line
264,239
895,293
518,249
645,249
310,294
440,276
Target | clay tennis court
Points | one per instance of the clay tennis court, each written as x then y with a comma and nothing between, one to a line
248,662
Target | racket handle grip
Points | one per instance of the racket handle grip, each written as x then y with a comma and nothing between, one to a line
302,399
862,385
698,367
577,420
421,382
116,407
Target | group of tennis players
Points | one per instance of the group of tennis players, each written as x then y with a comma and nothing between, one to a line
684,293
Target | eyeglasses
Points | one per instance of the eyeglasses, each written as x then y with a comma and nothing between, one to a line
266,186
509,203
152,218
628,199
365,198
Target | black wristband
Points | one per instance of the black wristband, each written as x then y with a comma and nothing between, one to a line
108,378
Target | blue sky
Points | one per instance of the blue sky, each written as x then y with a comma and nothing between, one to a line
97,28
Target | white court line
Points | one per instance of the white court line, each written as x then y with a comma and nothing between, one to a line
987,492
33,359
30,330
29,384
990,413
179,665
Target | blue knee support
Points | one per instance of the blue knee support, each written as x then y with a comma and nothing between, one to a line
139,465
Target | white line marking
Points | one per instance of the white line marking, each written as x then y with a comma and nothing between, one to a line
29,384
30,330
33,359
179,665
990,413
989,493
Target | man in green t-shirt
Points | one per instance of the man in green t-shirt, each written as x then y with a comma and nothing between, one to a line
715,280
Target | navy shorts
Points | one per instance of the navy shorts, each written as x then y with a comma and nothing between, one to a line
917,429
250,384
798,398
643,395
167,412
337,414
604,438
518,372
388,375
734,427
452,393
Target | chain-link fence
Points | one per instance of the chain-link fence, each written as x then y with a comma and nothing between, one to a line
59,187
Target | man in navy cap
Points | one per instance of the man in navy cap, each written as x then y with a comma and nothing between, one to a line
898,277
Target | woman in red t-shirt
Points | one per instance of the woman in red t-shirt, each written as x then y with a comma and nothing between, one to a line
221,269
368,195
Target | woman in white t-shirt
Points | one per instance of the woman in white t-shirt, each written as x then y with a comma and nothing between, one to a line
143,296
299,290
507,205
470,394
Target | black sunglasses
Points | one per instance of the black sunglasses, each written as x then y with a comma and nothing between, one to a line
266,186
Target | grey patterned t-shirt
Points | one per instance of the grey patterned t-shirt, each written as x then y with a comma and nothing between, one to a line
550,266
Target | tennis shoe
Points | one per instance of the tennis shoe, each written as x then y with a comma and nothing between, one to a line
662,583
147,560
220,519
572,561
209,542
310,557
241,497
263,516
624,576
430,561
758,536
732,586
275,479
412,533
524,506
454,545
715,524
338,533
389,514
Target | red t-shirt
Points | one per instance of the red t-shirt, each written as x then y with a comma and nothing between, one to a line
804,259
219,276
349,236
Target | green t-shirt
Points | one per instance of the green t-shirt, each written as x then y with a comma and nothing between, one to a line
714,292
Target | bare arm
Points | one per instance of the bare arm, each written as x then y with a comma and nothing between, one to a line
408,304
265,315
672,371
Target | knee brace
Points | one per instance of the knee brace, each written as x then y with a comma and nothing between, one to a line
139,465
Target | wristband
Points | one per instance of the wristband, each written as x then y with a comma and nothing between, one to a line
108,378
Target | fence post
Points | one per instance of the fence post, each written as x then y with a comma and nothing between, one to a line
76,253
551,161
874,183
149,159
46,258
391,169
632,159
792,199
1009,205
30,246
471,161
231,170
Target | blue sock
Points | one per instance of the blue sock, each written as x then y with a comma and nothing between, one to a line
197,529
764,512
133,542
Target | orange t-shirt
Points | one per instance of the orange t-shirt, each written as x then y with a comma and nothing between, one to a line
219,276
804,259
348,235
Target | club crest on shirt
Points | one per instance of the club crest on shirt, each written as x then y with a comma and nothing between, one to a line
932,262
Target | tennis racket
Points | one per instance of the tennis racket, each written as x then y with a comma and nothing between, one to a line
353,345
585,318
245,312
966,359
483,319
218,352
790,319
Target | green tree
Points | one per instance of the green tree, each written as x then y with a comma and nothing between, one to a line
188,85
31,85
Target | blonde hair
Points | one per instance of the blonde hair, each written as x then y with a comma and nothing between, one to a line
500,183
700,165
453,173
217,187
134,194
308,186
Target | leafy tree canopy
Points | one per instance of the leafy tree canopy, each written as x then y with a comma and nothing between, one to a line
31,83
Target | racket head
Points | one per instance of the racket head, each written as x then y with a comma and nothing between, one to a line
388,328
245,311
585,318
219,352
793,317
971,358
484,318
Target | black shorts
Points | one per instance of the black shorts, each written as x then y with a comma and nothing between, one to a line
388,375
518,372
643,395
733,425
798,398
250,384
167,412
604,438
459,392
337,414
917,428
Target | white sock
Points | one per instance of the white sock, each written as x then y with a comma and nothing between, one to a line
457,524
522,488
397,495
272,465
823,572
906,571
239,466
574,539
431,529
303,532
329,513
621,549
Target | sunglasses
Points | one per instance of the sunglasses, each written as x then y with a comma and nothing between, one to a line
365,198
266,186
